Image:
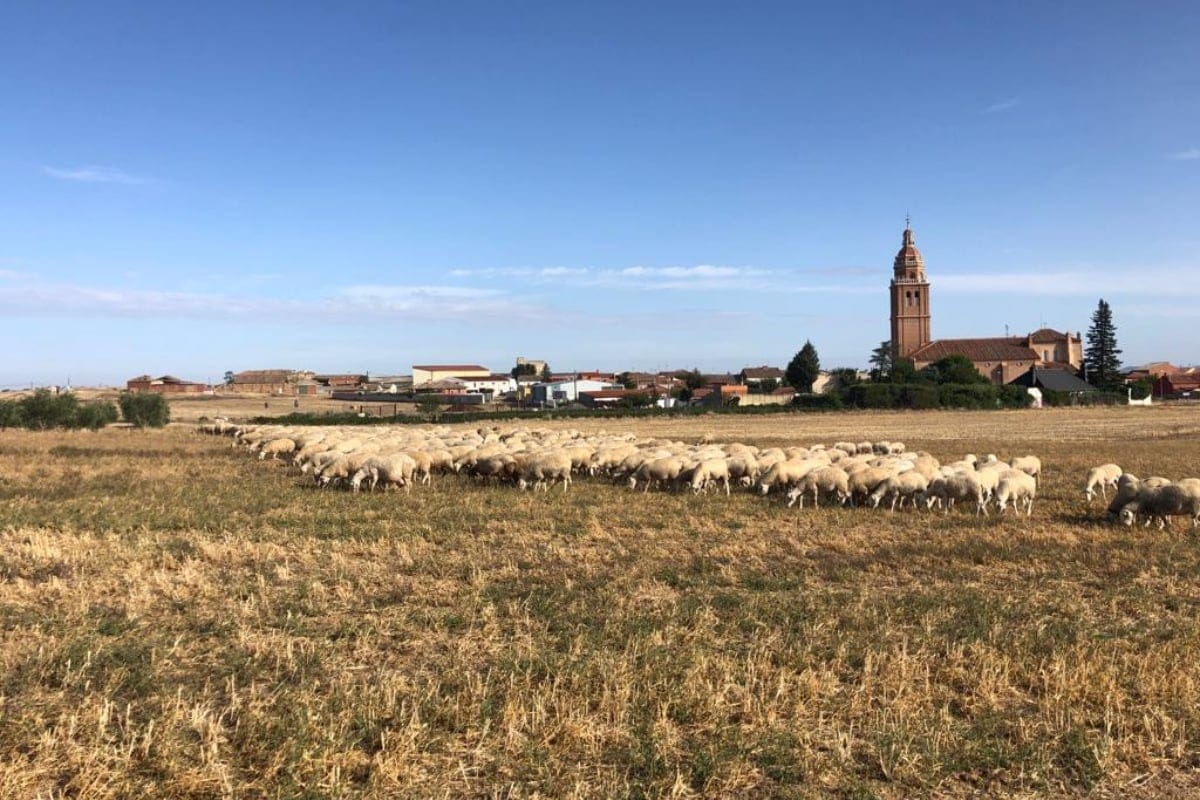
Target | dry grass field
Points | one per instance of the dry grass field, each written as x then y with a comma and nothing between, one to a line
179,620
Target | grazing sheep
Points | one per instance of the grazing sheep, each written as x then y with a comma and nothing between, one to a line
945,490
786,474
1161,503
1105,477
863,482
1031,466
394,470
825,480
908,486
709,472
542,471
1018,487
660,471
275,448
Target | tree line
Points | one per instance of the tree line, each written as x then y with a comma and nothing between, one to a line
46,410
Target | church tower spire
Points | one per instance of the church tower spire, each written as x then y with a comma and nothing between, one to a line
910,298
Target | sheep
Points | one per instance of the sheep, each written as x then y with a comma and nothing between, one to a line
710,471
906,486
828,480
1016,485
275,447
1031,466
864,481
1104,476
660,470
743,469
1130,488
946,489
395,470
786,474
543,470
1162,502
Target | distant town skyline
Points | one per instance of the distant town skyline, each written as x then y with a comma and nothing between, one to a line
191,190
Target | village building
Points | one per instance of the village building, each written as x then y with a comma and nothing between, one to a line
999,359
167,384
285,382
429,373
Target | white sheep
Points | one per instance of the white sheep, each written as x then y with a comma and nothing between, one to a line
1161,503
1016,486
945,490
1031,466
831,480
713,470
908,486
1105,477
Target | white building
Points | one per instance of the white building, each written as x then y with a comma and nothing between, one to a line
559,392
496,384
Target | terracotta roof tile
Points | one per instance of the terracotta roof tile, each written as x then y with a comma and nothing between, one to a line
998,349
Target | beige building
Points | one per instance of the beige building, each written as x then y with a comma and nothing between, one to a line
999,359
430,373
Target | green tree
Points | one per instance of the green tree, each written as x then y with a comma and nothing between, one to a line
547,374
804,368
11,414
144,409
693,380
523,369
44,409
228,377
626,380
430,405
881,361
768,385
952,369
95,416
1100,357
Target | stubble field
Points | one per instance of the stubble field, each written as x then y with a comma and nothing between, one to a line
179,620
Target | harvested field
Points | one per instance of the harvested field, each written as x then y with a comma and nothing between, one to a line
179,619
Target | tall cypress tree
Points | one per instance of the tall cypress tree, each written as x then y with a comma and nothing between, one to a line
1102,365
804,368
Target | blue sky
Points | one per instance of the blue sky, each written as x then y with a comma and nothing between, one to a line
191,188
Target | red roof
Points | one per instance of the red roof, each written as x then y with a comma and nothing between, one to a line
451,367
998,349
761,373
1046,336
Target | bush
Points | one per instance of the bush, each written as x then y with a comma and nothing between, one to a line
11,414
819,402
145,409
95,416
44,409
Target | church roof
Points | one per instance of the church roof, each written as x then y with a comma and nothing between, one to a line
997,349
1046,336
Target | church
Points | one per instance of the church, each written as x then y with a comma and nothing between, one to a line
1001,359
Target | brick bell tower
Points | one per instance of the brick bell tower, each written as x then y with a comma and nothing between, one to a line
910,299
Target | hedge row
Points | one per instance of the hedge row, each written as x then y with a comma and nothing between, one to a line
44,410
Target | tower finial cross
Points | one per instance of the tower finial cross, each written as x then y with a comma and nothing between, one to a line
907,220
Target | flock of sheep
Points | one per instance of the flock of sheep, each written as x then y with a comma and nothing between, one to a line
1154,499
846,473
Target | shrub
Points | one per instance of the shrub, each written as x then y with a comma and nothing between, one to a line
95,416
44,409
819,402
11,414
145,409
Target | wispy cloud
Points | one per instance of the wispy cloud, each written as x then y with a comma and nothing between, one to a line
1191,154
1006,104
95,174
348,303
696,278
1084,282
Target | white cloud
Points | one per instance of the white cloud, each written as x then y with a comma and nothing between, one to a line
697,278
354,302
1003,105
1132,281
1191,154
95,174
